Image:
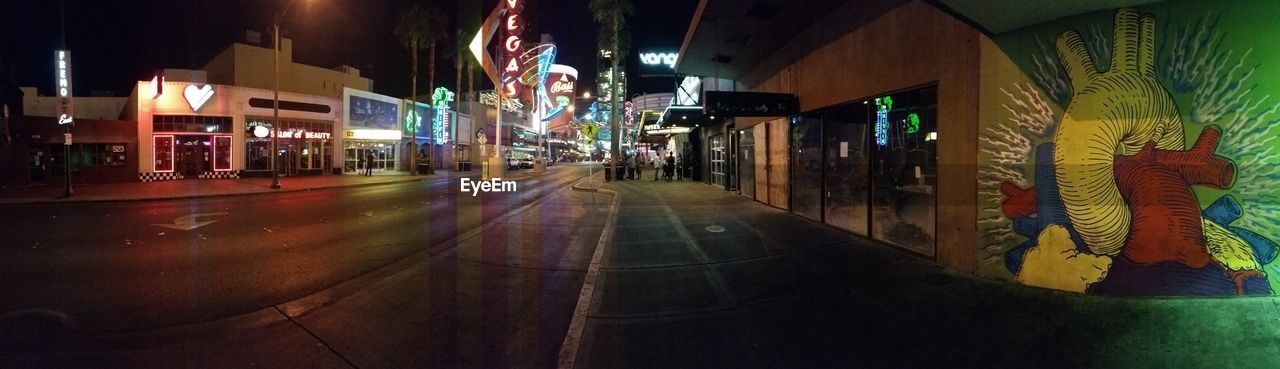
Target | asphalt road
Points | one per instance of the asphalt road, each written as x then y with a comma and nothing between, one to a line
113,268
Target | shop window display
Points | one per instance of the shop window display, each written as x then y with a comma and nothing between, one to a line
905,170
806,154
847,159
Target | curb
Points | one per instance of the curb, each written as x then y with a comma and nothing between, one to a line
43,201
570,348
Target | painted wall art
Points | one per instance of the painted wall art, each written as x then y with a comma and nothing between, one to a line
1133,152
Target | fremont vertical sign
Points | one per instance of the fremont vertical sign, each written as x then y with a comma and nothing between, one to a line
62,83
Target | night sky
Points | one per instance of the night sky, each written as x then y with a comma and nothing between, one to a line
116,42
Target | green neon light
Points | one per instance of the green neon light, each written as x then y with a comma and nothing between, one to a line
913,123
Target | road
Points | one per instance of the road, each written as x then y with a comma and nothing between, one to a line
116,267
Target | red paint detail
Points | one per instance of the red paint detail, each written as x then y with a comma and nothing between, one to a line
1156,184
1017,201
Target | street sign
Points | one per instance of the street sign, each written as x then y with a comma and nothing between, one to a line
590,130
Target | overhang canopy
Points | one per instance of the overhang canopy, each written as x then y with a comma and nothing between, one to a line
745,40
1000,16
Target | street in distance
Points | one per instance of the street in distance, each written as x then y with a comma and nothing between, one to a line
491,185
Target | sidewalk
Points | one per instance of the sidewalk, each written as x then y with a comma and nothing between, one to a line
191,188
697,277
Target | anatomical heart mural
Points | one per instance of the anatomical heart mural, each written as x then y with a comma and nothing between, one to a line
1132,155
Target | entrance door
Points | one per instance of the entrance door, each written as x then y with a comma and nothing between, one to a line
193,155
747,163
37,157
291,160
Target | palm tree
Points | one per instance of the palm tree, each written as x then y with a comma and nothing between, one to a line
419,28
612,17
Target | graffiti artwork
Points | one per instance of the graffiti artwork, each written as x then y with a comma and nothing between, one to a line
1131,165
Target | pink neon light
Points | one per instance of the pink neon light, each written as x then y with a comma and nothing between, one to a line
231,151
173,146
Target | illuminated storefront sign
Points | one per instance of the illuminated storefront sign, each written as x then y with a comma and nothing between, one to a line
883,105
491,99
667,59
62,78
197,96
441,127
372,134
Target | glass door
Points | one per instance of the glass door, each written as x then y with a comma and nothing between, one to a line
847,159
747,163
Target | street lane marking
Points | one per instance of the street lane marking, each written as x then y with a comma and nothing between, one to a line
577,325
188,222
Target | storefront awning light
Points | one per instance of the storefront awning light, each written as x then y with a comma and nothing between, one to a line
373,134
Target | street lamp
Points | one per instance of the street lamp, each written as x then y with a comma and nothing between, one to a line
275,103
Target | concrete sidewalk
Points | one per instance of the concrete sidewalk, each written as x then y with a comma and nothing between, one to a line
696,277
193,188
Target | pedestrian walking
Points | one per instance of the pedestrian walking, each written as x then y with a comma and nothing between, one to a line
631,167
669,168
653,161
368,164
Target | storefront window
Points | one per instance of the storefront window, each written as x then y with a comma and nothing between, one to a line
222,153
258,154
847,158
806,154
717,160
904,172
303,144
163,153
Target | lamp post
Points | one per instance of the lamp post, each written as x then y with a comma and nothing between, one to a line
275,103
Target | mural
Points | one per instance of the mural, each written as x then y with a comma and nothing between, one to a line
1130,164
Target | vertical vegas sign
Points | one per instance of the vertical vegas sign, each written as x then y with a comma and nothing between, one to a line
512,48
62,83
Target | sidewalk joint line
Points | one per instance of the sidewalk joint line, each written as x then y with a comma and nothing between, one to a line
316,337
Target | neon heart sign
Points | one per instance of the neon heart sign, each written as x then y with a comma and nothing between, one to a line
197,96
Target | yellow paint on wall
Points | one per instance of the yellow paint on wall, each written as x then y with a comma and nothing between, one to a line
1055,263
1228,249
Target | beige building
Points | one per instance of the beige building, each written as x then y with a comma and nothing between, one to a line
246,65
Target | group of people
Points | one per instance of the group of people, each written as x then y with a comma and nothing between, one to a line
666,166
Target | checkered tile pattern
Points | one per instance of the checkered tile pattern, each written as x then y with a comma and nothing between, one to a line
154,176
221,175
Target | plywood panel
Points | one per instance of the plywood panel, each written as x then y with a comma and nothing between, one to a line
778,181
762,162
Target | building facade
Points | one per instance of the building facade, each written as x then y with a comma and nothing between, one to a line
1097,150
193,130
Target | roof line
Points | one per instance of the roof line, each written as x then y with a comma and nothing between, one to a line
688,36
961,17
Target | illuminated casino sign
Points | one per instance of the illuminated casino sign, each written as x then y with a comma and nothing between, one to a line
62,80
513,26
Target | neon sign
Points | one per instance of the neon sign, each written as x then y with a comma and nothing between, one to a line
491,99
197,96
512,45
883,105
913,123
668,59
440,128
62,78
